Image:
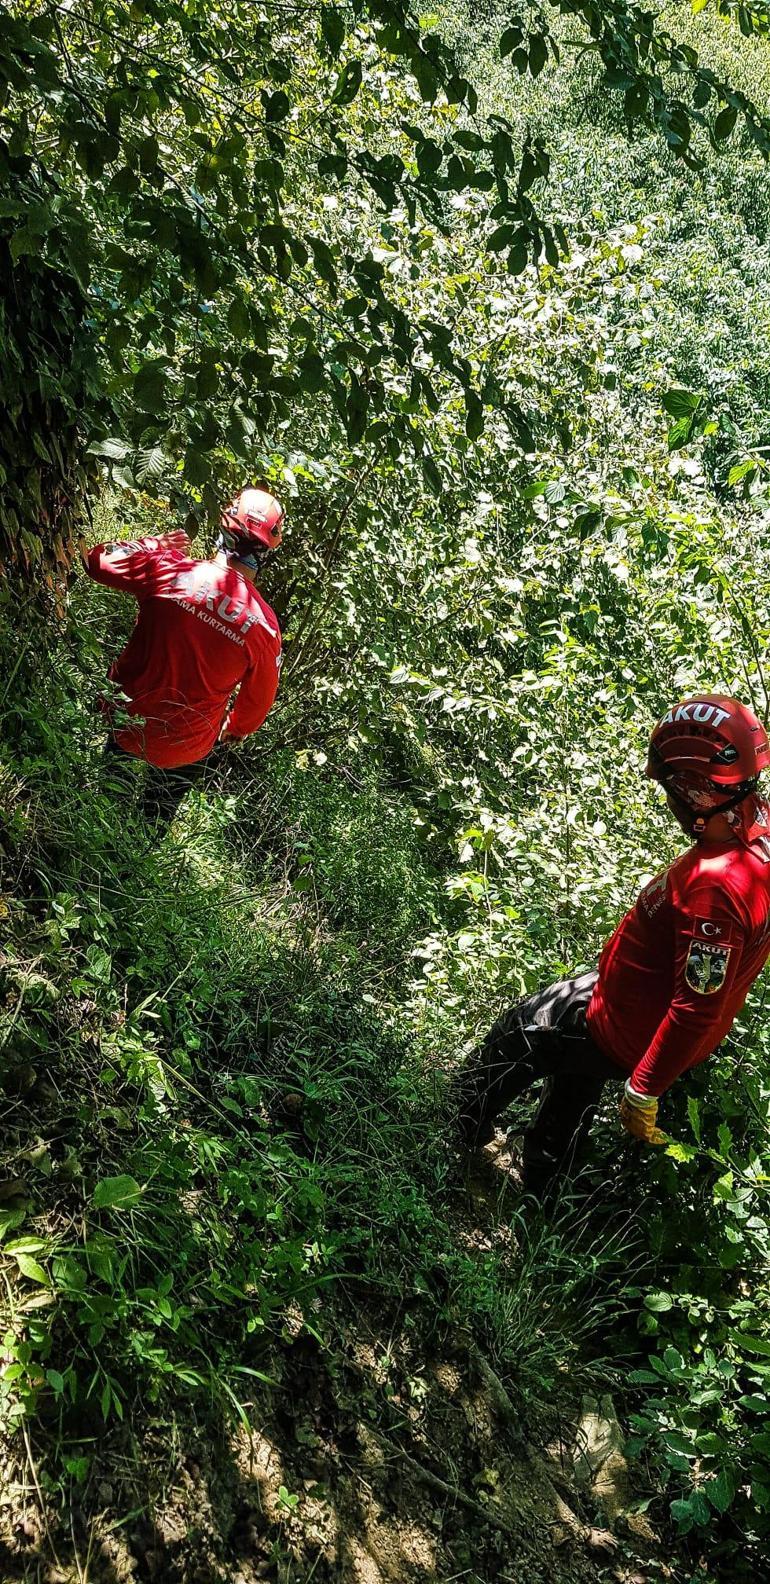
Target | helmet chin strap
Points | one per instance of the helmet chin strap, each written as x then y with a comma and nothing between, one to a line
694,824
698,822
249,558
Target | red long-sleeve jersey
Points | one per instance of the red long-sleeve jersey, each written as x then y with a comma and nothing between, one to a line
202,631
679,966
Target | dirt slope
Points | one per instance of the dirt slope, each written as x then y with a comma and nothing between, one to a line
376,1461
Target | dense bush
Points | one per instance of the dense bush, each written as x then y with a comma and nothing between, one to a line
528,505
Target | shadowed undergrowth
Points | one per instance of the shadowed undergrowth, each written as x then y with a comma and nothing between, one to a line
225,1141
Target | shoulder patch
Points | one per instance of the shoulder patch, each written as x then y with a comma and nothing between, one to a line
121,549
719,931
706,967
761,848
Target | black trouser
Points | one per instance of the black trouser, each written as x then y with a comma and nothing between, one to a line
162,790
544,1037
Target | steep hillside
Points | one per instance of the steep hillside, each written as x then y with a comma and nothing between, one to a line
259,1317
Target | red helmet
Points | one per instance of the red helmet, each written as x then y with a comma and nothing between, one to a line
255,516
708,751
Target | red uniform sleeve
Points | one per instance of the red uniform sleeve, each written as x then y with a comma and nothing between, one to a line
709,939
255,696
133,566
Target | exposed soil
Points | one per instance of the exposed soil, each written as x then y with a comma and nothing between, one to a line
366,1464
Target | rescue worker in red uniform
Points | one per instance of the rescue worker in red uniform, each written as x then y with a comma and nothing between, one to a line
203,630
671,979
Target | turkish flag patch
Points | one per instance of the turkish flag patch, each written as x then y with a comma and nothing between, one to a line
718,932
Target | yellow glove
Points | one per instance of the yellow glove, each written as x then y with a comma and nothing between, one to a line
639,1114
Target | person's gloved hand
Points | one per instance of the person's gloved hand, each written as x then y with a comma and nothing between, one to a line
639,1114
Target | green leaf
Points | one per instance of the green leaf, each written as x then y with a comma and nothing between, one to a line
355,413
693,1112
112,450
238,322
529,171
99,964
332,29
760,1494
658,1303
333,165
457,90
474,415
470,141
29,1267
725,122
679,433
517,259
681,1152
432,475
312,368
721,1491
538,54
149,153
149,465
25,241
348,83
725,1138
78,1467
429,157
426,76
279,69
150,386
116,1193
25,1245
700,1508
741,470
197,468
681,1512
207,377
501,237
750,1344
9,1220
679,130
510,39
277,105
681,403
